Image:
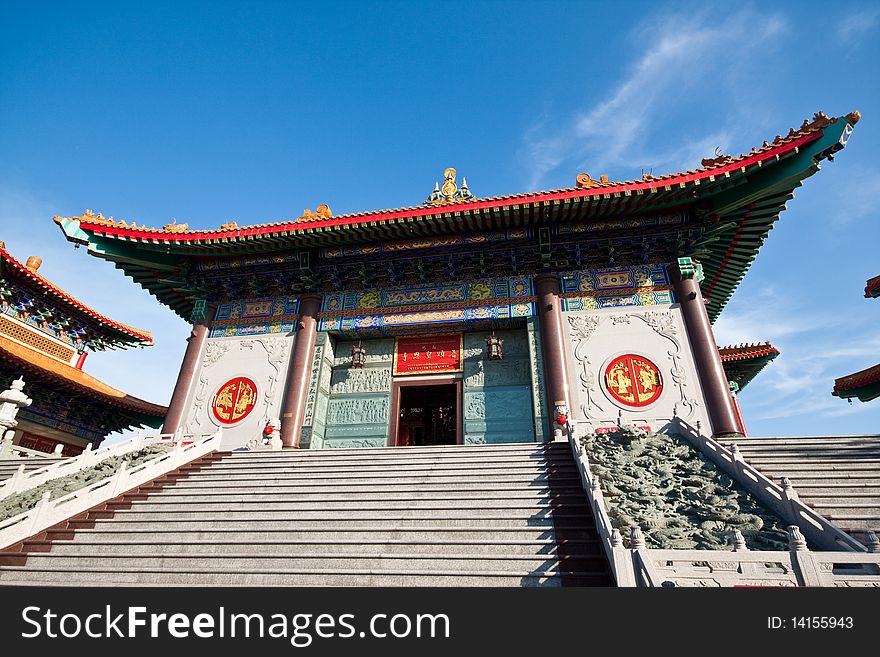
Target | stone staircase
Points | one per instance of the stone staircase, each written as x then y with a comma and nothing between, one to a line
838,476
8,467
499,515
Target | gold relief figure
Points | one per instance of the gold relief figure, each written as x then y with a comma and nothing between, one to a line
245,397
647,376
618,378
224,401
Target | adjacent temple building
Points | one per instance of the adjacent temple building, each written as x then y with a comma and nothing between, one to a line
45,336
863,385
468,320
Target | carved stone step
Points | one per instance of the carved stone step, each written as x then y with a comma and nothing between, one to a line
438,511
196,487
183,562
415,470
261,547
527,448
375,478
345,501
11,576
460,528
174,495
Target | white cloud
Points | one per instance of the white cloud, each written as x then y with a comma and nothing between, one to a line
683,54
855,25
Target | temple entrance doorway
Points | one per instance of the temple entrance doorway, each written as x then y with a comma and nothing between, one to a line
426,413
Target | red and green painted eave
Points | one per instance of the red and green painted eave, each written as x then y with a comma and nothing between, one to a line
739,199
863,385
743,362
108,331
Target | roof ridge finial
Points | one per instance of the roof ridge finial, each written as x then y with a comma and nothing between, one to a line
449,192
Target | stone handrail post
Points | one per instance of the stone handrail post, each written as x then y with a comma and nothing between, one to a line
39,511
119,478
790,496
804,562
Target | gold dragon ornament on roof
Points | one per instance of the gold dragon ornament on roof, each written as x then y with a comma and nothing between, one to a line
321,212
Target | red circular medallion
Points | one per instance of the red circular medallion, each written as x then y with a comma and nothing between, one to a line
234,400
633,380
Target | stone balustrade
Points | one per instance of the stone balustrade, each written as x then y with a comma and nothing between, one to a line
49,512
22,481
612,542
10,451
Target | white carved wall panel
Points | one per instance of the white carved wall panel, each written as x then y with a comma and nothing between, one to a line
597,337
264,359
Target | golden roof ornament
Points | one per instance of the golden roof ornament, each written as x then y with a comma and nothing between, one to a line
449,192
175,227
321,212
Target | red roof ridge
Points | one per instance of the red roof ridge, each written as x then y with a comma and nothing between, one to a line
750,350
807,132
856,379
144,336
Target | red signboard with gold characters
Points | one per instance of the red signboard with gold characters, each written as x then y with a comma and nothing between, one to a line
234,400
633,380
429,354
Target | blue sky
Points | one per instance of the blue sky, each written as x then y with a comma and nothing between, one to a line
202,112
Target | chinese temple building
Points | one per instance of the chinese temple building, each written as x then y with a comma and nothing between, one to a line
466,320
865,384
45,335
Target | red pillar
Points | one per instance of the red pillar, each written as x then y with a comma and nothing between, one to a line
81,360
194,348
294,408
547,288
719,404
739,415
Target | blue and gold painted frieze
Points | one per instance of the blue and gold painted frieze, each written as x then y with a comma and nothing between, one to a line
38,416
426,243
644,285
469,301
242,262
255,317
663,219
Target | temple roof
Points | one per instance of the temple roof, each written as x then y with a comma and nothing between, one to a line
740,199
117,333
743,362
863,385
872,288
26,360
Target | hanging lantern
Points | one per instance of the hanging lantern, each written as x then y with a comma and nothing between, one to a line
495,347
358,355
